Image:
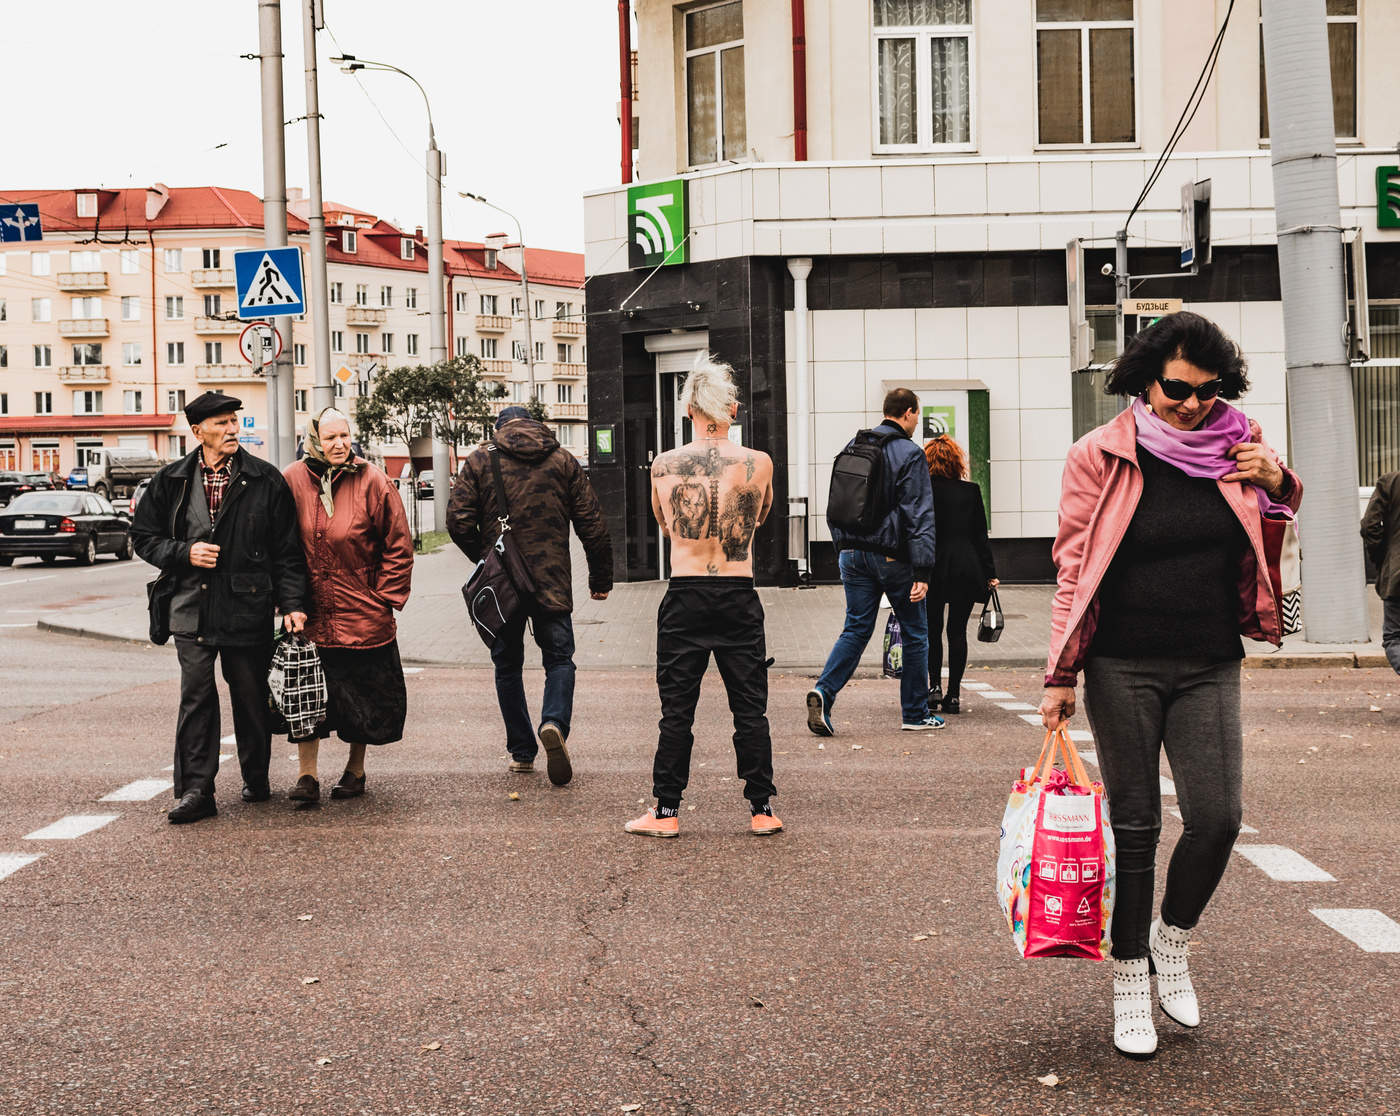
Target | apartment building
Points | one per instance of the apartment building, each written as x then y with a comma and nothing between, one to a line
887,201
125,309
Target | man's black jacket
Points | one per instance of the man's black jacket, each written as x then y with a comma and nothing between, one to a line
261,563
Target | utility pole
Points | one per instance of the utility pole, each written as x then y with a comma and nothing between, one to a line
281,412
1321,411
317,293
524,284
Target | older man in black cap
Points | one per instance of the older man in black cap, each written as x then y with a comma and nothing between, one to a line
546,490
221,527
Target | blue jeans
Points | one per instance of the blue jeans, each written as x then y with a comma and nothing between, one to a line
865,577
554,633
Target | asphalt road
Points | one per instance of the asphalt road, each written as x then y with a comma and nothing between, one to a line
438,947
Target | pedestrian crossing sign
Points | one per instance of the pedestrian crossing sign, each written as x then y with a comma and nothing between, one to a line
269,282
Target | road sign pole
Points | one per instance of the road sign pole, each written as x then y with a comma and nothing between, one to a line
280,386
317,301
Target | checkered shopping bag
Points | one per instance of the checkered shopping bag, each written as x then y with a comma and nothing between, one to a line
296,683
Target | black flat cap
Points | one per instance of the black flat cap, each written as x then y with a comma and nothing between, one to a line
209,404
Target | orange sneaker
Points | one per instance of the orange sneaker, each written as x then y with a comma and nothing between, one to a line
765,825
649,825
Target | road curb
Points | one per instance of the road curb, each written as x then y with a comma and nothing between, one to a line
88,633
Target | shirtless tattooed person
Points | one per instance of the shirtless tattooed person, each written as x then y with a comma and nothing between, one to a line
710,496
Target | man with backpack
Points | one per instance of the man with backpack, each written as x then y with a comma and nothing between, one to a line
880,513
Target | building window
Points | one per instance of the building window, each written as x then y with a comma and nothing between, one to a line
923,59
462,349
1085,75
213,352
84,261
714,83
460,303
299,399
174,259
3,312
88,354
563,393
362,343
131,262
539,352
386,296
410,297
212,257
386,343
43,402
488,348
43,356
175,400
299,354
174,307
1342,27
411,341
6,453
131,402
39,263
539,309
337,341
563,311
515,306
337,292
213,305
361,294
41,309
488,257
131,308
177,445
517,351
405,248
86,307
174,352
489,303
4,356
87,402
563,353
131,353
87,205
565,434
348,241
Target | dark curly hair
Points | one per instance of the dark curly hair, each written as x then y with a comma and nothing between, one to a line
1184,336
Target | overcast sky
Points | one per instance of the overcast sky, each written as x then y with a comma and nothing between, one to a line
523,92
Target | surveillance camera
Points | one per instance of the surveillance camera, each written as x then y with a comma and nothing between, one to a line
1107,269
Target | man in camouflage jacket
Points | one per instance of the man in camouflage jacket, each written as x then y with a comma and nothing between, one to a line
546,490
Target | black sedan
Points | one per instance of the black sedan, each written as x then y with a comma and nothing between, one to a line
49,524
43,481
11,485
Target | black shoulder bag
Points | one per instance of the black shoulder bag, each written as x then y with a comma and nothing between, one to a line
993,621
501,586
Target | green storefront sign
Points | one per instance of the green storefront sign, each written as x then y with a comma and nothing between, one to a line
940,420
1388,197
658,220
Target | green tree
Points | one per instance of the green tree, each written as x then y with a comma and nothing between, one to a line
538,411
450,399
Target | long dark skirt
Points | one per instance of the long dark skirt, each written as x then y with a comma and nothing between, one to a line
367,700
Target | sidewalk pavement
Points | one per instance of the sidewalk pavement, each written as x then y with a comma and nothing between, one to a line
620,632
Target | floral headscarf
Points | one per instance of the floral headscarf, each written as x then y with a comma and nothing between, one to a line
320,465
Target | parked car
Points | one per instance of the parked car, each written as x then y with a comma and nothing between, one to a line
136,497
11,485
81,525
46,481
77,477
425,485
114,473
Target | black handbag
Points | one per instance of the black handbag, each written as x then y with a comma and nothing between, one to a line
500,587
993,621
159,594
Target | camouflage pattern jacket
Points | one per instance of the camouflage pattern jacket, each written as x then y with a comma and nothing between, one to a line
546,490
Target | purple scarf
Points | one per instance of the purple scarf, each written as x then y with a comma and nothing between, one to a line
1202,452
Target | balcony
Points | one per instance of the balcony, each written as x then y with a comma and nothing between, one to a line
365,316
568,410
82,281
495,367
225,373
570,371
492,323
212,277
568,327
83,327
204,324
84,375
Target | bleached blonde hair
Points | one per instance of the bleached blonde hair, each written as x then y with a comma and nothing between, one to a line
709,389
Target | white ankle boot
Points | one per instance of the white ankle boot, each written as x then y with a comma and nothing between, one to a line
1168,947
1133,1033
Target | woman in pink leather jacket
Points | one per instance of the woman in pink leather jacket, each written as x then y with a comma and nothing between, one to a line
1162,565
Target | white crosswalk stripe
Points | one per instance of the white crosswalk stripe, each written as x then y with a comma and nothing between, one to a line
1372,930
10,863
1281,863
142,790
71,827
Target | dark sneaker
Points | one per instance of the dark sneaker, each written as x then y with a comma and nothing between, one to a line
556,756
929,722
818,720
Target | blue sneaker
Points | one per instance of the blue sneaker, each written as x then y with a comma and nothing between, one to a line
817,718
929,722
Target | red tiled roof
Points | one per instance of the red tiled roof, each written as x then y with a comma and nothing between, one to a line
82,424
190,207
563,269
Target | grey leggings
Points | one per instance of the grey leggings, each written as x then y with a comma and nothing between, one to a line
1192,707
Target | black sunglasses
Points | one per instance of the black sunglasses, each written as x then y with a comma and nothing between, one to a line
1178,391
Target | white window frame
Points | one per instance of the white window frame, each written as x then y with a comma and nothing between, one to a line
463,348
213,352
406,251
410,298
131,354
1085,105
88,401
43,356
40,263
132,402
461,303
174,354
41,309
175,303
174,399
488,348
299,400
489,303
386,295
299,355
412,344
717,49
131,303
361,294
362,344
130,261
349,242
211,257
175,256
386,343
337,293
1354,19
922,34
337,341
43,402
87,205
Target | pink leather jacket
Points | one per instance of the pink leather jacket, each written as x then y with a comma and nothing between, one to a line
1099,493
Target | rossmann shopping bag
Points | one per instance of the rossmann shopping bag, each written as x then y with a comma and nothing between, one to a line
894,647
1055,871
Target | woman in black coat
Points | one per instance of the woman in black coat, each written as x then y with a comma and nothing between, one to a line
963,569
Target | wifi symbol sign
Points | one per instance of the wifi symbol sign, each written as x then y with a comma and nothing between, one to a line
657,224
1388,197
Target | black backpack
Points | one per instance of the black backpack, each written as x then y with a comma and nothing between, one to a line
856,503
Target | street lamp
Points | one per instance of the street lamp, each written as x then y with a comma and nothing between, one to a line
437,300
524,282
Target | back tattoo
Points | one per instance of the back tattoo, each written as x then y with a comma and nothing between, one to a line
696,511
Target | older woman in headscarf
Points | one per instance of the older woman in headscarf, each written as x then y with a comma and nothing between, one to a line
360,555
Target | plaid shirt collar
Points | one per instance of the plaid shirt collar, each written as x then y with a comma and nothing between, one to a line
216,482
